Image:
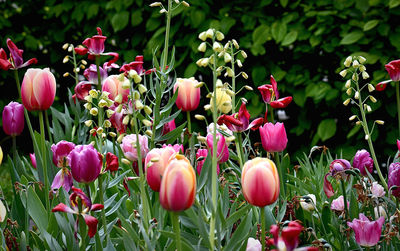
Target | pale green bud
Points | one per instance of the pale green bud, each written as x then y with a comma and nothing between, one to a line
202,47
371,88
88,106
219,36
107,123
142,89
103,103
88,98
147,122
352,117
372,99
139,105
137,79
346,102
227,58
235,43
349,91
99,130
380,122
348,83
348,60
199,117
244,55
94,111
88,123
126,84
147,110
217,47
356,64
357,95
362,59
203,36
364,75
149,133
209,33
244,75
343,73
109,113
112,134
125,120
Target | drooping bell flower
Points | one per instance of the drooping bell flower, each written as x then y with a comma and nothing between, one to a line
95,47
393,68
270,95
113,85
156,162
394,178
337,170
223,101
260,182
288,238
128,146
240,121
367,232
178,185
38,89
188,94
81,205
86,163
16,61
363,161
13,119
273,137
111,162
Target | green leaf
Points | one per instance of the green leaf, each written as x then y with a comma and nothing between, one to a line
352,37
326,215
260,34
284,3
237,215
278,31
240,233
36,210
326,129
394,3
190,70
173,135
136,18
353,210
353,131
370,24
120,20
289,38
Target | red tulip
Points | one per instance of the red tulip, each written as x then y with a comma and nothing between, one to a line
288,239
16,61
111,162
260,182
240,121
38,89
13,119
393,68
270,95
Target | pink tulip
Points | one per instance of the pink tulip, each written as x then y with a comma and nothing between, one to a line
178,185
338,204
113,85
253,245
367,232
222,147
116,120
240,121
288,238
63,179
362,161
16,61
136,65
82,89
33,159
61,151
260,182
128,146
377,190
394,178
13,119
270,95
38,89
188,94
393,68
168,127
85,162
177,147
201,153
273,137
156,161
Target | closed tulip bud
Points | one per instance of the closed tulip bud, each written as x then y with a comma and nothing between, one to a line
348,60
38,89
203,36
94,111
13,119
85,163
88,123
260,182
219,36
347,101
142,89
380,122
348,83
343,73
188,95
209,33
178,185
273,137
114,87
202,47
364,75
349,91
156,162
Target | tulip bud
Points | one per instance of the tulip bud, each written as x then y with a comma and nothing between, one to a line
202,47
348,60
85,163
203,36
178,185
260,182
343,73
273,137
188,95
13,119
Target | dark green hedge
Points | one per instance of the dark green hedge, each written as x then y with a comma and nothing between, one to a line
302,43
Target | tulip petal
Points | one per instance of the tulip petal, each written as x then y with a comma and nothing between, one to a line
328,189
91,222
63,208
96,207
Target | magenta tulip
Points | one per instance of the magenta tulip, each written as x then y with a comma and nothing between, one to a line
260,182
128,146
188,94
222,147
337,169
393,68
363,161
16,61
367,232
201,156
240,121
82,89
85,162
169,126
178,185
61,151
13,119
156,161
270,95
113,85
394,178
33,159
38,89
273,137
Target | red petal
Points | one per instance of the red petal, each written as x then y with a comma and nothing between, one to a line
328,189
229,120
125,183
274,86
62,208
5,64
91,222
255,124
281,103
111,162
115,55
381,86
96,207
81,51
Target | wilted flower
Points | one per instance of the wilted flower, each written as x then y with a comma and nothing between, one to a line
363,162
308,202
16,61
239,121
393,68
377,190
367,232
336,170
270,95
338,204
288,238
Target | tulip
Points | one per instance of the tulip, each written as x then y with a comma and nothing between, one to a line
91,72
380,211
16,61
38,89
33,159
113,85
178,185
60,152
156,161
188,94
394,178
13,119
270,95
136,65
128,146
393,68
377,190
111,162
240,121
117,119
85,162
260,182
273,137
201,153
81,205
288,239
177,147
222,147
338,204
63,179
82,89
3,211
169,126
337,169
363,161
253,245
367,232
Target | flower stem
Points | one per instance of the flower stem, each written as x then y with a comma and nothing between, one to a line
233,80
398,103
44,162
191,139
271,110
262,209
103,213
100,114
346,210
368,135
82,232
175,224
46,117
282,183
239,147
167,28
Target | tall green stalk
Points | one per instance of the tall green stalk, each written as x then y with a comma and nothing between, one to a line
44,162
175,225
262,209
398,103
46,117
191,139
346,210
103,213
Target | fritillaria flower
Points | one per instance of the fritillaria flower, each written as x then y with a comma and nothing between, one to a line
240,121
81,205
270,95
337,170
367,232
15,61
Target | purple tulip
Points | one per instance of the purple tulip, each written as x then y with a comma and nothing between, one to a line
336,169
394,178
61,151
85,162
13,119
367,232
362,161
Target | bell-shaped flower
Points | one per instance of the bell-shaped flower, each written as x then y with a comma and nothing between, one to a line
81,205
337,170
240,121
288,238
393,68
16,61
363,161
13,119
270,95
367,232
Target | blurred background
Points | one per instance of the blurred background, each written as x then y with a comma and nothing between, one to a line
301,43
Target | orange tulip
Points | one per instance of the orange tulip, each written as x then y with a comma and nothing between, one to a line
178,185
260,182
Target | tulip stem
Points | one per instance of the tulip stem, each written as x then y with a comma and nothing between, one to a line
46,117
175,224
239,148
82,232
103,213
191,142
346,210
398,102
44,162
262,211
282,194
271,110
